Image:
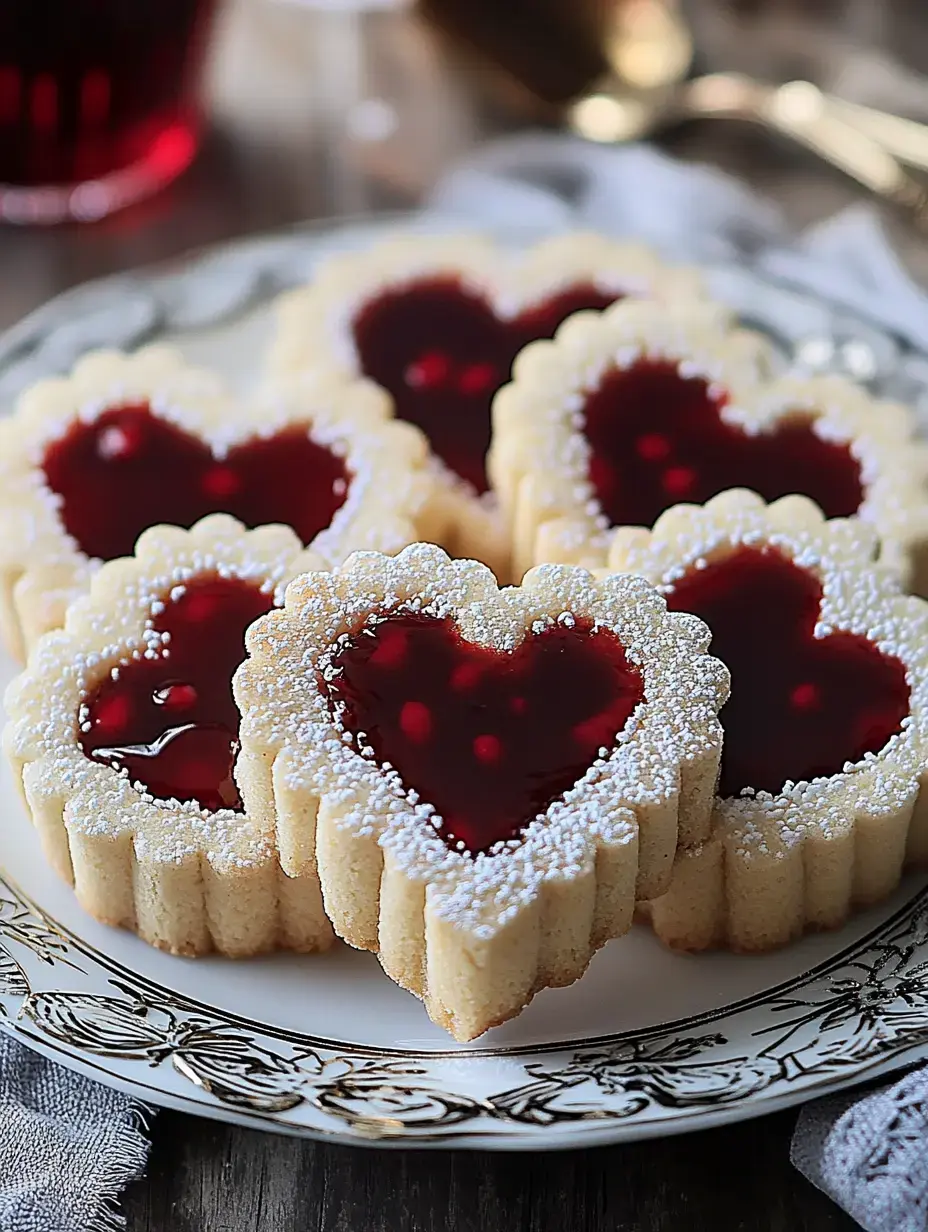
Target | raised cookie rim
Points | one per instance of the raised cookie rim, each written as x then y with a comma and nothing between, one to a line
859,596
320,607
540,456
44,568
104,627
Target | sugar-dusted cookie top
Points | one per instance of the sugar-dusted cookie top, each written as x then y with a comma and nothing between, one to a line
88,462
826,728
484,745
628,413
124,732
436,321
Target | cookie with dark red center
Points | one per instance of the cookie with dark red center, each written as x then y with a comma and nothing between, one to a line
821,798
486,777
626,414
123,733
127,442
437,323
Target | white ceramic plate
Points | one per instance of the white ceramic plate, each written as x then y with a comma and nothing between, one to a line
647,1043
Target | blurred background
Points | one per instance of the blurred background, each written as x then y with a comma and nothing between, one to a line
222,117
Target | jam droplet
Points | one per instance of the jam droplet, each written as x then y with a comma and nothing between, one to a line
643,416
806,696
486,775
175,697
679,481
442,353
171,722
488,749
221,483
478,379
653,447
465,676
851,698
416,722
130,469
429,372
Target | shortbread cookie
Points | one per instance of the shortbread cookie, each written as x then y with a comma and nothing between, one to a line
626,414
437,322
123,733
485,776
821,797
127,442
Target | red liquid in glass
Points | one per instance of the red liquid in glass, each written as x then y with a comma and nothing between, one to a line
99,94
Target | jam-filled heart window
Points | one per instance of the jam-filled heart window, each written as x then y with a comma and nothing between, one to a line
168,720
631,412
658,436
442,351
490,738
801,705
129,469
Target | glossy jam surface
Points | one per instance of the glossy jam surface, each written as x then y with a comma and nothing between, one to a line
800,706
657,439
171,721
442,353
129,469
490,739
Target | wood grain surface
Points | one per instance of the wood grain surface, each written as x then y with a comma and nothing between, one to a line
207,1177
278,154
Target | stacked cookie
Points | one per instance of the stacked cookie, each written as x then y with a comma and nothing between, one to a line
264,705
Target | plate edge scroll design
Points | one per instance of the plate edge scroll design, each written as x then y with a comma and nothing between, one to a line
856,1010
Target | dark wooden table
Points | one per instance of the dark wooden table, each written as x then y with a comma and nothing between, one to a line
276,160
213,1178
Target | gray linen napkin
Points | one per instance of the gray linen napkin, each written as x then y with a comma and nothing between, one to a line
68,1147
868,1152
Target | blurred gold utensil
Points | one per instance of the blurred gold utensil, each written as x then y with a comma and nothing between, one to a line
619,68
649,48
648,45
650,51
796,110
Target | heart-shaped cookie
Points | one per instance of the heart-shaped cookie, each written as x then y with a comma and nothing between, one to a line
127,442
821,797
485,777
628,413
437,323
123,733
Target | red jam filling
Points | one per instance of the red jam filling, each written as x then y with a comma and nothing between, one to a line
442,353
171,722
130,469
489,739
800,706
657,438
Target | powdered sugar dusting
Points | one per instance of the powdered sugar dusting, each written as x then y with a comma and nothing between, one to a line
542,456
387,493
858,597
112,626
285,708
